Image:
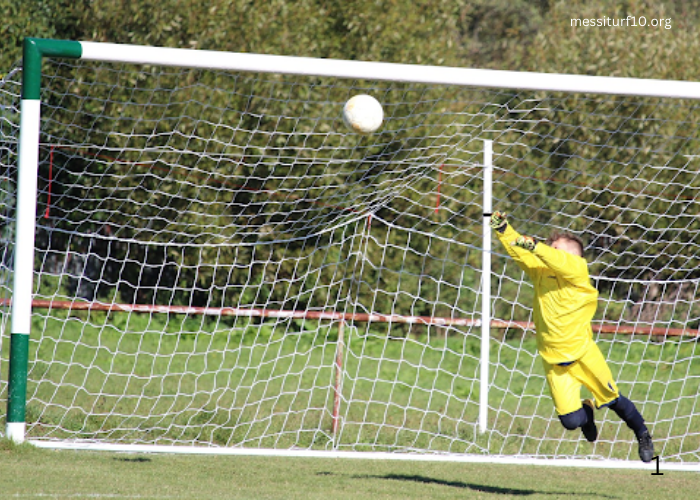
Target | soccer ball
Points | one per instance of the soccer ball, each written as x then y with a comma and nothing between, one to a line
363,114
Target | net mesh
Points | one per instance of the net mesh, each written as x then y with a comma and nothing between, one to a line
221,262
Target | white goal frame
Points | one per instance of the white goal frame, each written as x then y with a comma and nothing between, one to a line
23,290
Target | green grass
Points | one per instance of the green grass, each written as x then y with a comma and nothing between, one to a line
143,378
28,473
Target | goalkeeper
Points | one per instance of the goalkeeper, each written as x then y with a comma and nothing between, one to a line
564,305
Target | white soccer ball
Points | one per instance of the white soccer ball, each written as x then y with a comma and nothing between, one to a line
363,114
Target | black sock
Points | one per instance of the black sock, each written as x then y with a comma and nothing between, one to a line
626,410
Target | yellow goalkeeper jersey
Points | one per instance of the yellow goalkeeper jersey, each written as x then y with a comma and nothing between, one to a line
565,300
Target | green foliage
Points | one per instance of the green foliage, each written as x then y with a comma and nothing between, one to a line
639,52
533,36
36,18
397,267
520,35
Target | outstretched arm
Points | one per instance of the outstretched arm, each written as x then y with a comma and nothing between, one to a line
508,236
530,254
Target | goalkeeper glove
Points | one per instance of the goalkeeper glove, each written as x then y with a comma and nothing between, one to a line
526,242
498,221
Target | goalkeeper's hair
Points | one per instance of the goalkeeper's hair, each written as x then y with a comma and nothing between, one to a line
565,235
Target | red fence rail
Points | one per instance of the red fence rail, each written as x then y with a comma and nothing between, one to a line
607,328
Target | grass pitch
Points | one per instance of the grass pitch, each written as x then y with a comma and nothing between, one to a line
164,380
29,472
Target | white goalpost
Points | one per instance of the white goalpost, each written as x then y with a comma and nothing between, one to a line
200,257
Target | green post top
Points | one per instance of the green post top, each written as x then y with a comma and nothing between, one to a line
34,50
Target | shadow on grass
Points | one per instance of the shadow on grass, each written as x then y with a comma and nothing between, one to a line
132,459
477,487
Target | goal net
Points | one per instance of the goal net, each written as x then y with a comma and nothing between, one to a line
220,262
